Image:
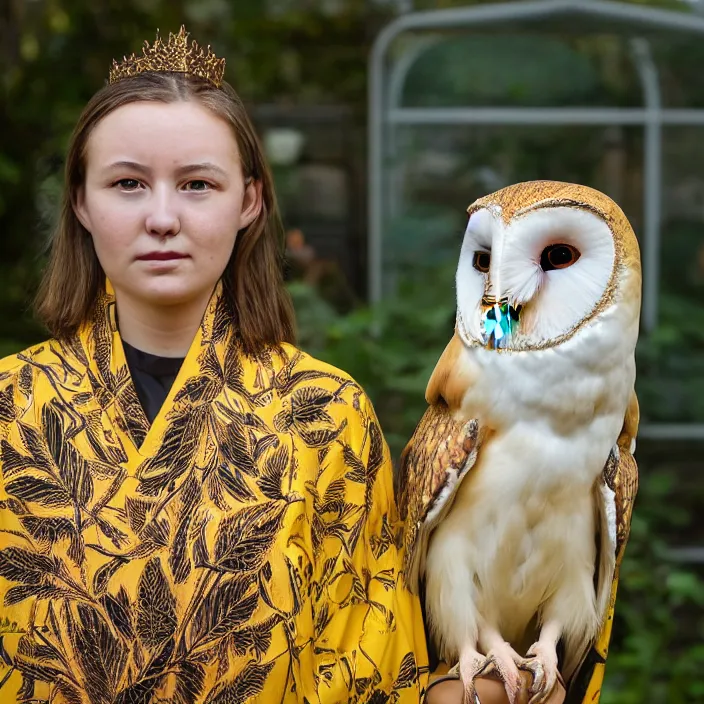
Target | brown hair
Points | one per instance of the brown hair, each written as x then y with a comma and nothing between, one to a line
253,279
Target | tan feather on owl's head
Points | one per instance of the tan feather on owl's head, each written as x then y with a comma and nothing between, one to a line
559,254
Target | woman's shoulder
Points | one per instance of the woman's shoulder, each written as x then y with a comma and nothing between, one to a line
300,360
12,366
16,381
328,407
301,371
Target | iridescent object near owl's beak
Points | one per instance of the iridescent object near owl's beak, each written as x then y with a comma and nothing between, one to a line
499,322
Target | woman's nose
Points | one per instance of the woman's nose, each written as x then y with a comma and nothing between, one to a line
162,219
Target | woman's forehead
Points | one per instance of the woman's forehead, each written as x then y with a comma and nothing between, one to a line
177,133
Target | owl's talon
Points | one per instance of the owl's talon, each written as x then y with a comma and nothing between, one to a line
501,660
471,663
541,661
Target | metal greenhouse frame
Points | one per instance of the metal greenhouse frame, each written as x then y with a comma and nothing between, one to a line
387,79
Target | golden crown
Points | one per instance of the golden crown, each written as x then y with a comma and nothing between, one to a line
174,55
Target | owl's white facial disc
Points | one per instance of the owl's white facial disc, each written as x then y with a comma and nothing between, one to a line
553,301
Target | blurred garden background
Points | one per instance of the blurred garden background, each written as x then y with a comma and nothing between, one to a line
302,67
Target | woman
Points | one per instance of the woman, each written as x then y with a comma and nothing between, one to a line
191,509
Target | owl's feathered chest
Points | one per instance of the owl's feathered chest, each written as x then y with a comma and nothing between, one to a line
560,392
523,516
554,415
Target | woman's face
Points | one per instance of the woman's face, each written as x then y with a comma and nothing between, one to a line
164,197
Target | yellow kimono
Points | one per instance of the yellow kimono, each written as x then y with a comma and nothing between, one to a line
245,547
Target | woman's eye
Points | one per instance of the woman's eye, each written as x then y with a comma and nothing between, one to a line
197,186
481,261
128,184
558,256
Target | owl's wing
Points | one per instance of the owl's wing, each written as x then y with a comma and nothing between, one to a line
614,497
441,451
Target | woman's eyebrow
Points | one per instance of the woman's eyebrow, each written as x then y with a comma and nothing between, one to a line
180,171
132,165
200,168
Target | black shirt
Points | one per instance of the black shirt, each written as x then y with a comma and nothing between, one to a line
153,377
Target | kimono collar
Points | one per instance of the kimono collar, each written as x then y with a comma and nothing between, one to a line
216,323
110,377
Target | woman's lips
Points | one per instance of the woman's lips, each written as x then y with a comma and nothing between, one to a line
161,256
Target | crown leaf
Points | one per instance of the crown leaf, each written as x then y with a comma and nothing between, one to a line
174,55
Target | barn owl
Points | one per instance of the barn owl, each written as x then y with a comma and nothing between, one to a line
517,485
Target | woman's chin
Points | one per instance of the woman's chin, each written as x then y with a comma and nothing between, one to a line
171,292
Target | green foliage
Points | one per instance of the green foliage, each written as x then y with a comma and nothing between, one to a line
671,365
671,359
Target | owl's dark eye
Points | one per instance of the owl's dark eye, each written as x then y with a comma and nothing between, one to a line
481,261
558,256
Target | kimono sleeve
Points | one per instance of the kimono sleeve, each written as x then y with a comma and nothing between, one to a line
16,615
369,636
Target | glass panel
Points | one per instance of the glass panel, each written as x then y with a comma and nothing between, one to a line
672,361
437,173
504,69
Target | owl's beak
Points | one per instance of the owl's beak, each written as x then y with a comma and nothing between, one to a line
499,322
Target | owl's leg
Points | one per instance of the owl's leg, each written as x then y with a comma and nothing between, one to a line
541,660
500,658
